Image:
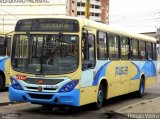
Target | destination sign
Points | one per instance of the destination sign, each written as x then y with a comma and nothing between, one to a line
47,25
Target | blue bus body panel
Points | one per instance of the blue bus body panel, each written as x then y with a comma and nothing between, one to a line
68,98
148,68
2,63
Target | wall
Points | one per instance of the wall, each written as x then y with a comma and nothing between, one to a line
12,10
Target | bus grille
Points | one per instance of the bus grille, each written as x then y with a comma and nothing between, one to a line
45,81
36,88
40,96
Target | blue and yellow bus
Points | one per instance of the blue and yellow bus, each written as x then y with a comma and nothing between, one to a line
5,43
74,61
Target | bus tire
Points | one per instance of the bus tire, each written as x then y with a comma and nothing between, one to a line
100,98
140,92
1,83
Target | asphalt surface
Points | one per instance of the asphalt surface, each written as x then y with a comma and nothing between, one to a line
108,111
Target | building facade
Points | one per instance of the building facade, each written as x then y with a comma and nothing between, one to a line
13,10
99,9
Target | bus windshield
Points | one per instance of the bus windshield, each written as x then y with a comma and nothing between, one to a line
45,54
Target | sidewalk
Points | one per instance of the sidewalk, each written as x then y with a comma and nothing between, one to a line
148,106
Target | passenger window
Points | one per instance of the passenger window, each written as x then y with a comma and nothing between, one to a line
134,49
124,48
142,50
102,45
154,48
149,53
113,41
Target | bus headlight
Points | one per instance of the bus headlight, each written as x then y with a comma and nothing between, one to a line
69,86
15,84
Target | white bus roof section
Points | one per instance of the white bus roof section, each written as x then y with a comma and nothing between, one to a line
106,28
103,27
4,32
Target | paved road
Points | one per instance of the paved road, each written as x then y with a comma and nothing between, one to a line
27,110
4,96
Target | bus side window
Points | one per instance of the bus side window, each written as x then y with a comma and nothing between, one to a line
142,50
149,52
154,48
134,49
124,48
113,41
102,50
2,46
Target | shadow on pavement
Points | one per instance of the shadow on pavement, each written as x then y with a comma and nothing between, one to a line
79,113
4,90
86,111
83,112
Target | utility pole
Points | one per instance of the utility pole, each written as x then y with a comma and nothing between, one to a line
87,6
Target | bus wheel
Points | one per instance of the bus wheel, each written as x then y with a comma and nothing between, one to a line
100,98
140,92
1,83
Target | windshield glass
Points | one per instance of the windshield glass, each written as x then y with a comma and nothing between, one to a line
47,54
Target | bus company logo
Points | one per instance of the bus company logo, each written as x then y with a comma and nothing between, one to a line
121,70
40,88
37,68
40,82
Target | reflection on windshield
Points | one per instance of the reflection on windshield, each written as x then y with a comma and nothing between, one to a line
51,54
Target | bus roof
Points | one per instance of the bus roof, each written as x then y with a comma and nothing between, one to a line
106,28
4,32
102,27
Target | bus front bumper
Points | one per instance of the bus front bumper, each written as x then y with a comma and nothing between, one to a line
67,98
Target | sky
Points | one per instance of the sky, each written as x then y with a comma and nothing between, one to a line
135,15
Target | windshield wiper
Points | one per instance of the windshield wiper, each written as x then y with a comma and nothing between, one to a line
51,42
55,43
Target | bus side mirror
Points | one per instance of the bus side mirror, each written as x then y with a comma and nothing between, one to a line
5,41
5,44
131,55
85,49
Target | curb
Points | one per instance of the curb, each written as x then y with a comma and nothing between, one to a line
132,105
